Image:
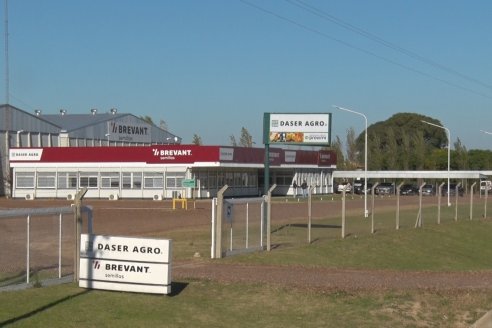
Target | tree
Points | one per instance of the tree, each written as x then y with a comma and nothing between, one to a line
351,149
419,150
375,157
147,119
460,158
391,148
407,131
336,146
232,139
163,125
246,139
197,140
405,151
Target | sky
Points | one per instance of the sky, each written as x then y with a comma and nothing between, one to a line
211,67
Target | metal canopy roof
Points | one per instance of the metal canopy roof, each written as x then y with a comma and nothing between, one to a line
412,174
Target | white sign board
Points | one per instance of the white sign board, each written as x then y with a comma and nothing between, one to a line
125,264
297,128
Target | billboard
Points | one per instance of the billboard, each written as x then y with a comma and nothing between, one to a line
297,128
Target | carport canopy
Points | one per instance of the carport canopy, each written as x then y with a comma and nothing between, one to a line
438,175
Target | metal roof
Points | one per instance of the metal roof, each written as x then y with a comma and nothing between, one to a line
71,122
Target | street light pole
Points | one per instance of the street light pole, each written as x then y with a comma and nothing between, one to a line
449,151
366,212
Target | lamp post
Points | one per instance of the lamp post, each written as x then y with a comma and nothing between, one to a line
449,151
107,136
486,132
366,212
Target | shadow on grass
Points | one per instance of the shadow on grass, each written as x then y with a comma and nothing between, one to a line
304,225
177,288
41,309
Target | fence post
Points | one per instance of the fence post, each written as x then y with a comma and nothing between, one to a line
456,201
218,223
372,206
343,213
419,221
28,253
398,205
471,200
486,197
269,215
78,230
439,194
310,204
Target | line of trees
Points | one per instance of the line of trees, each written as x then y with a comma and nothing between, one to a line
403,142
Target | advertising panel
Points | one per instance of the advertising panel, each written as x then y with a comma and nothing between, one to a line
298,128
129,129
125,264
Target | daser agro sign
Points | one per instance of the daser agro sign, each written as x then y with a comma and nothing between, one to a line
125,264
299,128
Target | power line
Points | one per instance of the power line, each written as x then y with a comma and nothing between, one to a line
318,12
367,52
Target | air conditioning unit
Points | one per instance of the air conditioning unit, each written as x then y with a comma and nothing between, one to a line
70,196
157,197
29,196
113,197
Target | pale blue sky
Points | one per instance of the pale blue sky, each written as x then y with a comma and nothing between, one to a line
212,67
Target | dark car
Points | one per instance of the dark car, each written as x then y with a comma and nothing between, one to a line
385,188
359,186
409,190
428,190
452,190
360,189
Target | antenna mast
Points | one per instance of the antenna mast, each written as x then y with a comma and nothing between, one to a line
6,26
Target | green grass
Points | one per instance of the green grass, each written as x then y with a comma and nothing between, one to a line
449,246
454,246
208,304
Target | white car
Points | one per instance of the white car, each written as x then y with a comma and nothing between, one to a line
344,186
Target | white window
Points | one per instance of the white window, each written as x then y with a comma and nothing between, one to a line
174,180
153,180
46,180
132,180
24,180
110,180
67,180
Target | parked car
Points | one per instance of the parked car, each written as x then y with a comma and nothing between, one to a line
452,190
409,189
385,188
344,186
358,185
360,190
486,185
428,190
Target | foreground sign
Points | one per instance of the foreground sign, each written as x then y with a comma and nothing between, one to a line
125,264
